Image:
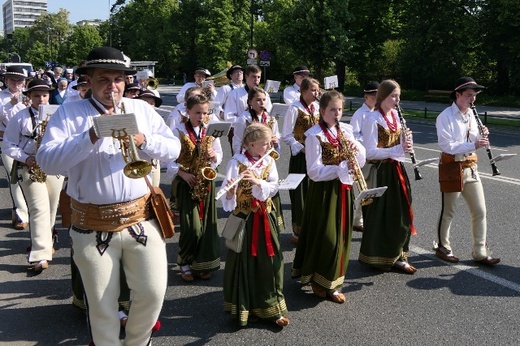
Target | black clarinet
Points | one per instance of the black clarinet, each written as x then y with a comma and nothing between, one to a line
404,128
488,149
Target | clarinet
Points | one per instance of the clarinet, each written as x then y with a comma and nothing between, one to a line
488,149
404,128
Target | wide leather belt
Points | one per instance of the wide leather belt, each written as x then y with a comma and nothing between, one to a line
468,161
111,217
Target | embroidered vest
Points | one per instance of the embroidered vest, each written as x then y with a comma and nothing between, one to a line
244,192
304,122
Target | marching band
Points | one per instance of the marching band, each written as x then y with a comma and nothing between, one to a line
116,233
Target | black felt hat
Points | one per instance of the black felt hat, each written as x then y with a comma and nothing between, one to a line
302,70
464,83
15,72
132,86
107,58
37,84
150,93
232,69
371,87
81,81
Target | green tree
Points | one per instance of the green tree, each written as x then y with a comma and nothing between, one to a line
82,40
52,29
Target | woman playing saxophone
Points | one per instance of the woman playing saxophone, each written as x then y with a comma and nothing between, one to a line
22,137
193,192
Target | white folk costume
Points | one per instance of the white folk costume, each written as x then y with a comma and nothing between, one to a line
185,87
199,242
323,249
42,195
253,279
7,111
223,93
237,103
457,134
357,121
97,185
299,118
245,119
291,94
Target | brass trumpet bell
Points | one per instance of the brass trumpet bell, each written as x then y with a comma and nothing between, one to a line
209,173
152,84
274,154
137,169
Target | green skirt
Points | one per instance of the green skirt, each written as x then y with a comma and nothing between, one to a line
323,249
387,221
253,285
199,242
298,164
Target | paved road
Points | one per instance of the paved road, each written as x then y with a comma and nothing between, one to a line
460,304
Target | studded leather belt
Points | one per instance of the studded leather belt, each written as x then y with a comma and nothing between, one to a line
111,217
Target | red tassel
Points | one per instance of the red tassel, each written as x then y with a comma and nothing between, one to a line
157,326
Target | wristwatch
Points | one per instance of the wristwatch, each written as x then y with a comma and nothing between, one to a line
143,145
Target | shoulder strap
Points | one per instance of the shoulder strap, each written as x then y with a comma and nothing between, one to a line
96,106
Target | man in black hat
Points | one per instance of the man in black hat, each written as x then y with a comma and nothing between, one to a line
292,93
112,222
200,74
236,75
369,93
41,191
459,138
10,104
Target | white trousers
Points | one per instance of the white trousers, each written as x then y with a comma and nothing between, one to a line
146,270
42,201
473,195
16,192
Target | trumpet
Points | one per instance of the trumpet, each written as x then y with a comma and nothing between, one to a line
224,190
488,149
135,167
404,128
152,83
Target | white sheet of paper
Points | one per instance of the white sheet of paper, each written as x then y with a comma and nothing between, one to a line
213,107
291,182
425,162
279,110
219,129
331,82
208,82
117,125
370,193
502,157
46,111
272,86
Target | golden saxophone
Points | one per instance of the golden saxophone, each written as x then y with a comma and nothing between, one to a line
350,156
35,172
203,170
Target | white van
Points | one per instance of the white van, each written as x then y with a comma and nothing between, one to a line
25,65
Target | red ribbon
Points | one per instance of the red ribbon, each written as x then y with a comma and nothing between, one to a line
261,213
402,181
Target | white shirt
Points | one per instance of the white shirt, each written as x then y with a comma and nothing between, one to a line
452,131
237,103
173,167
267,188
181,94
291,94
95,171
370,138
290,121
316,170
240,126
176,115
70,91
6,108
18,138
357,121
223,93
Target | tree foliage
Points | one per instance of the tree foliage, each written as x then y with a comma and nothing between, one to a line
424,44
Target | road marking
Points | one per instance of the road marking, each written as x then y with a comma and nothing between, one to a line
471,270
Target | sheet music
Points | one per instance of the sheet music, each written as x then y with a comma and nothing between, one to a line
117,125
291,182
208,82
46,111
219,129
370,193
331,82
214,106
272,86
279,110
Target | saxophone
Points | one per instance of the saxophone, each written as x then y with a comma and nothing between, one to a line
203,171
349,155
35,172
